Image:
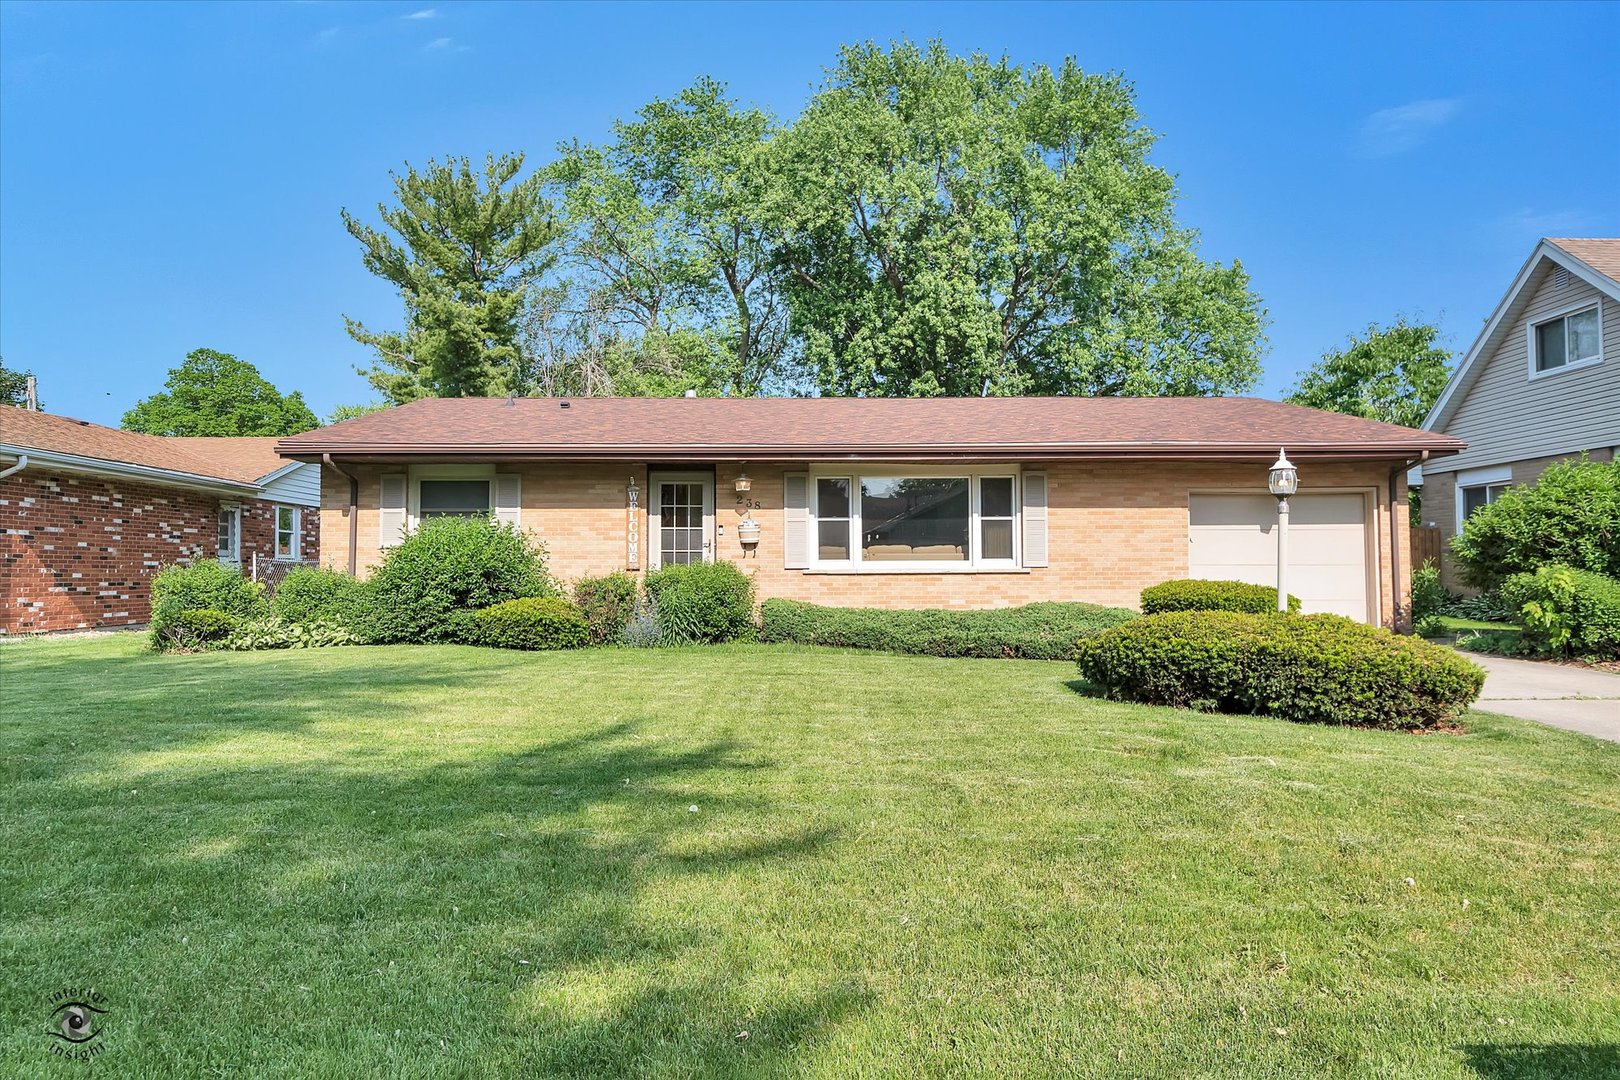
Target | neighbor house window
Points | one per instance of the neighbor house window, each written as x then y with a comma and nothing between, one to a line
229,546
287,532
888,519
1482,495
1575,338
454,498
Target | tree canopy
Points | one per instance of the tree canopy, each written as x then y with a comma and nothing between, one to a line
214,393
14,387
1394,374
470,242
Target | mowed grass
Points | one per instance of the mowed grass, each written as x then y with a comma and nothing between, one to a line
773,861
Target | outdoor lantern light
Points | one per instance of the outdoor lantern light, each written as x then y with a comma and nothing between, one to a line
744,483
1283,481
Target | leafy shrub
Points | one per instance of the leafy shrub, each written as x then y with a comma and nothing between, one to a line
1318,668
530,622
1046,631
702,602
275,632
1431,626
608,604
1429,597
1486,607
205,585
1194,594
1569,517
1496,642
450,564
190,631
311,594
1567,611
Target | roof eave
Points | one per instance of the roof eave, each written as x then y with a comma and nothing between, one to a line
76,463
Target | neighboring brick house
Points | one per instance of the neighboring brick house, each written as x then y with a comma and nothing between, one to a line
1540,384
88,514
950,502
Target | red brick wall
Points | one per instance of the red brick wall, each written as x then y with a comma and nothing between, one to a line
79,552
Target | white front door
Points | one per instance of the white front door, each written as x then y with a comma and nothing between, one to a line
682,518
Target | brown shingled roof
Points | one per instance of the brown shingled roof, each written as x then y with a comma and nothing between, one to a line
1600,253
237,461
719,429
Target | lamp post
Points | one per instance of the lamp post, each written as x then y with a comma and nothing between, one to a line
1283,481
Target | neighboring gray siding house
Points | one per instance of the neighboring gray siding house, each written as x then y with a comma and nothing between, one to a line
1542,383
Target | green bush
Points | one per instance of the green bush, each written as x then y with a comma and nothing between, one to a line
1569,517
447,565
701,603
1194,594
1316,668
191,631
275,632
1429,597
1431,626
1046,631
608,604
310,594
1567,611
205,585
531,622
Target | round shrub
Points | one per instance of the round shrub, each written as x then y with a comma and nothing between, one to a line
608,604
447,565
205,628
1314,668
1043,631
1195,594
205,585
532,622
1567,611
310,594
702,602
1569,517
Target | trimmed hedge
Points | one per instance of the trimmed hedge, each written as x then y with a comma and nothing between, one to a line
1575,612
1197,594
531,622
702,603
608,604
205,585
1047,631
447,565
1313,668
311,594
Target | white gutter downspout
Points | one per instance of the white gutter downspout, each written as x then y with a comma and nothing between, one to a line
22,463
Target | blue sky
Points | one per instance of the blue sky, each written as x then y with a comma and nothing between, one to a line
171,175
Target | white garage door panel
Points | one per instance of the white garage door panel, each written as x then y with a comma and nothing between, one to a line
1234,537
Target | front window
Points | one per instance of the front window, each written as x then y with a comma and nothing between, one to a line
895,519
1483,495
454,498
229,535
286,532
1568,339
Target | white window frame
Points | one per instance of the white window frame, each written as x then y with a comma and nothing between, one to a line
234,556
1496,476
975,562
295,546
1532,341
419,473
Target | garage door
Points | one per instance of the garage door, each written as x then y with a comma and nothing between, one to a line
1234,537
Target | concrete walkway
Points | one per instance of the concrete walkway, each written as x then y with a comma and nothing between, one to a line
1562,695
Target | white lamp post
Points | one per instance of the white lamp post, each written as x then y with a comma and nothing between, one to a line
1283,481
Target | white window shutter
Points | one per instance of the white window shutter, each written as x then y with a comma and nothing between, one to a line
391,510
509,499
795,521
1035,519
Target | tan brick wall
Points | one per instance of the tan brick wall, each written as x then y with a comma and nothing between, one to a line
1440,502
1114,528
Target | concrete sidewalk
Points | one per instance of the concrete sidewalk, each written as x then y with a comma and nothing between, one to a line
1562,695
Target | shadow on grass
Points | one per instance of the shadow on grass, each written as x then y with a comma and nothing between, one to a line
1543,1061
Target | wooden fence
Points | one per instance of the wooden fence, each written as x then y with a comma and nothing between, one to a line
1425,545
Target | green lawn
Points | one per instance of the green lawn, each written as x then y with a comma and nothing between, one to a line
442,861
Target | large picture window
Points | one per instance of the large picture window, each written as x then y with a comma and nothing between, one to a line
454,498
923,519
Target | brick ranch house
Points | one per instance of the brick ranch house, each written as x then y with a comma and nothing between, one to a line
88,514
947,502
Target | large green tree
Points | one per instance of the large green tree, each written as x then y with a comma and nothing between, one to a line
1392,373
667,242
214,393
963,226
469,244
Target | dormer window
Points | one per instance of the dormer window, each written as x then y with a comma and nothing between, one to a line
1572,339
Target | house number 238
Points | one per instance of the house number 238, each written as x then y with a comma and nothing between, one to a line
748,504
